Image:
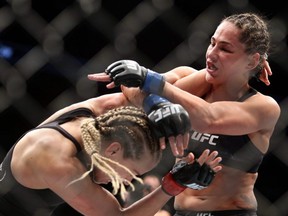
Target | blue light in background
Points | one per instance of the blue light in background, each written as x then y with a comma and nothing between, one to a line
6,52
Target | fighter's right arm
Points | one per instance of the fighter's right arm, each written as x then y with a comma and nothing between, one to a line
97,105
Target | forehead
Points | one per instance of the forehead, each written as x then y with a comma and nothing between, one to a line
227,32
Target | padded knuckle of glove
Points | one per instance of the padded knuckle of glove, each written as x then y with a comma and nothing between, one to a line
126,72
171,120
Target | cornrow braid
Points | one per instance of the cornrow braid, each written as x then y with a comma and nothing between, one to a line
126,125
254,34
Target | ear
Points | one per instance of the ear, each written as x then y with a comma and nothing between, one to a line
113,149
253,61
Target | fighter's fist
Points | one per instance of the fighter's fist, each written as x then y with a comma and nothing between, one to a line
130,74
196,175
167,118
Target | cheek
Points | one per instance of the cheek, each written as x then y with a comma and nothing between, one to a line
230,62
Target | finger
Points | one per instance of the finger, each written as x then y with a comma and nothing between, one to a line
211,157
179,144
267,67
110,85
173,146
264,77
162,143
215,162
266,71
217,169
102,77
190,158
203,157
186,139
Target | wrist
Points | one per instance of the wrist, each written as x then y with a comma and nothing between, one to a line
151,101
154,82
170,186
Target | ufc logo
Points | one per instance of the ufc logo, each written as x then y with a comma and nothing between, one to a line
131,66
204,214
204,137
165,111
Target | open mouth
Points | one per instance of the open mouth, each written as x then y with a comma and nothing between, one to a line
211,67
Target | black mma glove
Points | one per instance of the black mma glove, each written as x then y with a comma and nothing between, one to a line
167,119
130,74
184,175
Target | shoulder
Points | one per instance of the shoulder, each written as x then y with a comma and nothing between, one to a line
267,100
266,106
38,155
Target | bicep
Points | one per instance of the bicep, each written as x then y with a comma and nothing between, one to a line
237,118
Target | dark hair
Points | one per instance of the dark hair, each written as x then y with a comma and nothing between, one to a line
254,34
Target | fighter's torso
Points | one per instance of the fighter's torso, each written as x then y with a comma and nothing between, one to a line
236,151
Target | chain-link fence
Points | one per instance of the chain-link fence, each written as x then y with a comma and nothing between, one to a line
48,47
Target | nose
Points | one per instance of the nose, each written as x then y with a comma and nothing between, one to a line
212,54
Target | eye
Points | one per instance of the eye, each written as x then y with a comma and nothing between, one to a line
226,49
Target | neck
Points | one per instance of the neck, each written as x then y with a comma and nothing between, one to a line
220,93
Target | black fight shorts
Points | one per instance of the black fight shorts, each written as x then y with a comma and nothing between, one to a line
217,213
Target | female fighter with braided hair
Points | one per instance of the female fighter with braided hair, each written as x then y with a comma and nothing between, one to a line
226,113
68,156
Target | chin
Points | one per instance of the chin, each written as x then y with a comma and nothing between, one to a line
209,78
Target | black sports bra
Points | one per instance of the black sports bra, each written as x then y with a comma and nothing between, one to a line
236,151
66,117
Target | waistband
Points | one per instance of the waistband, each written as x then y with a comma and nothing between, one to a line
217,213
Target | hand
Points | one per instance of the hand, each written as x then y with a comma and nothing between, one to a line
190,173
127,72
130,74
102,77
177,144
170,121
266,71
134,95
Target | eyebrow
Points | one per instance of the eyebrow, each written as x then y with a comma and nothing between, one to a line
222,42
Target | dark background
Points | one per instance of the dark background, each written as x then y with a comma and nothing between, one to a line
47,48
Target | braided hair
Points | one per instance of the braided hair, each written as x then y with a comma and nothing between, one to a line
254,34
127,125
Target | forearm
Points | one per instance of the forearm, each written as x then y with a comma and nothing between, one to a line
178,73
184,174
195,83
97,105
107,102
149,205
197,108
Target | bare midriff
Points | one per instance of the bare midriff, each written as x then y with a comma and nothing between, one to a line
231,189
